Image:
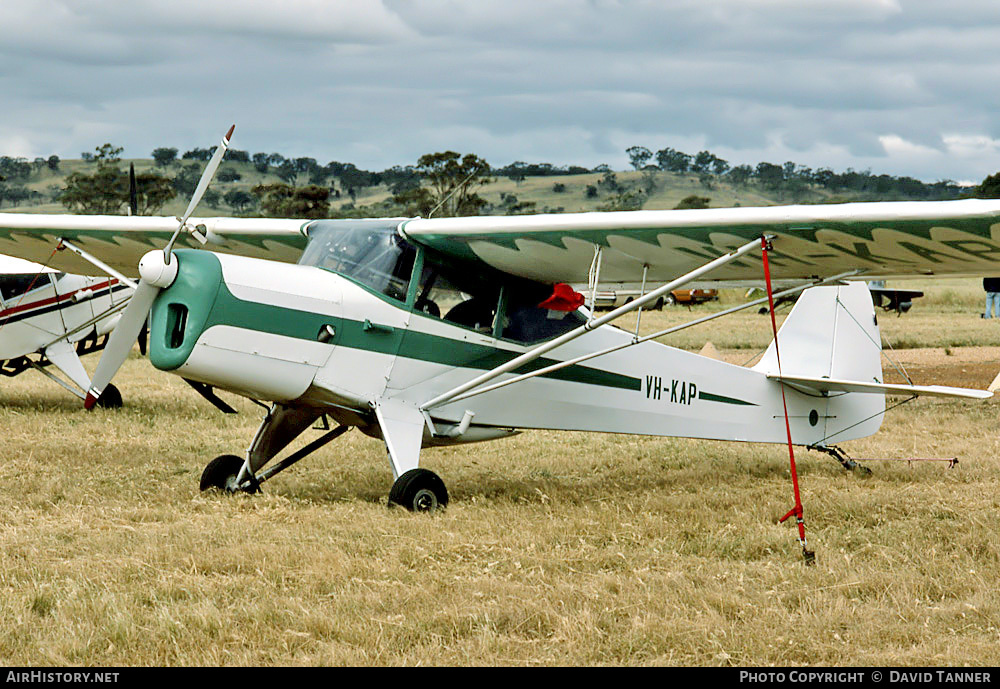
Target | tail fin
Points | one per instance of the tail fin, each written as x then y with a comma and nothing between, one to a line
831,334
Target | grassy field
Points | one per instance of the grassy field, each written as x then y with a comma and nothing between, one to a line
557,549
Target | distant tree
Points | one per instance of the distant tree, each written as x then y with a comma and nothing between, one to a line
625,199
164,156
740,175
703,161
638,156
989,188
609,182
672,160
558,188
239,200
693,201
287,172
452,181
15,169
204,154
591,191
186,179
53,162
719,166
286,201
108,153
152,192
16,194
516,172
511,206
105,192
235,155
260,162
306,166
769,175
351,177
228,174
212,198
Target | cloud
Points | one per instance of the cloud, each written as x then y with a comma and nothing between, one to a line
868,83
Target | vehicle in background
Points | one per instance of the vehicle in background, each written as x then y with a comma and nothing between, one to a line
611,299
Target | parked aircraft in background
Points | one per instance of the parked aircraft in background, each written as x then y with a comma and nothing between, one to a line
49,318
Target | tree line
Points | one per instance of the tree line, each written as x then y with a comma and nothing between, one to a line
441,184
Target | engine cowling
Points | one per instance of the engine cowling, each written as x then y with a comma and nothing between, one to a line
255,327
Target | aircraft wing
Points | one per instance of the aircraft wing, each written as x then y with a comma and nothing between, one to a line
120,241
885,239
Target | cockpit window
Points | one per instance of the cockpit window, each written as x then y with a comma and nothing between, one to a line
369,252
460,299
490,303
13,286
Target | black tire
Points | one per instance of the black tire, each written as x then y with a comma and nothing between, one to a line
419,490
111,398
221,474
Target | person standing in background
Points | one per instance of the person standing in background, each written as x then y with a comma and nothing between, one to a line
992,287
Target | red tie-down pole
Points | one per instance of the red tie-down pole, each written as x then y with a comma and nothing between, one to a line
810,556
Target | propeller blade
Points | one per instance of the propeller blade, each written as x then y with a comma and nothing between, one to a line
120,342
133,191
206,178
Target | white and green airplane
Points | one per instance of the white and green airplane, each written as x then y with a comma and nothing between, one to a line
428,332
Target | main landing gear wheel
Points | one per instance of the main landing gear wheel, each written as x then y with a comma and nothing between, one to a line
221,473
111,398
419,490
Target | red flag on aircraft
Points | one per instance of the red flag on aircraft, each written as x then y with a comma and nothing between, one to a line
564,298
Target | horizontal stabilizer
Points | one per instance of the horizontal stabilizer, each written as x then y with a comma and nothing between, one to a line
825,385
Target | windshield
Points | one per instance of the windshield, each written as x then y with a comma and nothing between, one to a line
369,252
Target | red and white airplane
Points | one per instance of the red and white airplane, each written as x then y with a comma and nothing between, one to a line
49,318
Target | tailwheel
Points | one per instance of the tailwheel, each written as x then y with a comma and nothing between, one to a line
111,398
221,474
419,490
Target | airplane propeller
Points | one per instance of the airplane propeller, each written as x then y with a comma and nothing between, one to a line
157,270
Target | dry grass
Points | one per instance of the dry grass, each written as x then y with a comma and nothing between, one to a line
557,549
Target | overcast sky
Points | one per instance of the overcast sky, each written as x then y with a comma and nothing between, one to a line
898,86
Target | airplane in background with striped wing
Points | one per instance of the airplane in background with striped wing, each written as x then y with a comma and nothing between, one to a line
52,318
429,332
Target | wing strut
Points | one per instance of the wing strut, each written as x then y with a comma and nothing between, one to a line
101,265
532,354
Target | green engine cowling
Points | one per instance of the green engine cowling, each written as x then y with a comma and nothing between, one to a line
229,321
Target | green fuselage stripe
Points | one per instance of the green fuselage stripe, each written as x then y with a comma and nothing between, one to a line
709,397
232,311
